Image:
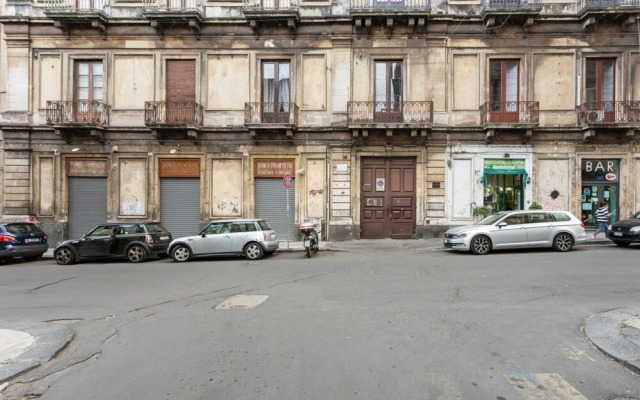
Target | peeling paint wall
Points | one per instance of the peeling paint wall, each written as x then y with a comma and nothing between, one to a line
132,199
226,188
553,174
315,188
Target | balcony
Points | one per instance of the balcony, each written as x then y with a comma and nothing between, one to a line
510,116
167,117
413,116
272,13
78,116
270,116
496,13
623,12
165,14
609,115
413,13
68,13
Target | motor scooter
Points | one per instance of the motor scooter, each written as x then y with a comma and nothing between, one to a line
311,239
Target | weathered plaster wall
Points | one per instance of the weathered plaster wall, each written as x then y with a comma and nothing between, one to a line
49,81
46,187
132,193
227,182
314,192
134,81
550,175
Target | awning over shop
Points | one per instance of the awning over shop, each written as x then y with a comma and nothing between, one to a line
506,171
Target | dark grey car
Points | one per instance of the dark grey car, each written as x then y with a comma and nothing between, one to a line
22,239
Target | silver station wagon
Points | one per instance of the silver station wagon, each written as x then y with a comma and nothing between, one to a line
559,230
252,238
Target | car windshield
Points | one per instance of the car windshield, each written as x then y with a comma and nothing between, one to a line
490,220
264,225
22,228
155,227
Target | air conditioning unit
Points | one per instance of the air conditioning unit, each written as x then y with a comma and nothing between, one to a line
595,116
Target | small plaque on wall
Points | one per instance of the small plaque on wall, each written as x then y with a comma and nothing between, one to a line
435,185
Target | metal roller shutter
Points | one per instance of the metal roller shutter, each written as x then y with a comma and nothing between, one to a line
87,204
180,205
271,204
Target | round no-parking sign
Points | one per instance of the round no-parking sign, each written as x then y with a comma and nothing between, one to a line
288,181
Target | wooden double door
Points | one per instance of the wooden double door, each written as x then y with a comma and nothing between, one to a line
388,194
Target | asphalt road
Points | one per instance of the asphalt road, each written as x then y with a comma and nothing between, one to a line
399,321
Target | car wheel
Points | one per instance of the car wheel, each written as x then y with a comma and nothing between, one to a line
180,253
562,242
136,254
622,244
480,245
253,251
65,256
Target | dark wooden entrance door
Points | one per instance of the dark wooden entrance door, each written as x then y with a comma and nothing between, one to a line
181,91
388,198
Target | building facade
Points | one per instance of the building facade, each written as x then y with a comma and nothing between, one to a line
394,119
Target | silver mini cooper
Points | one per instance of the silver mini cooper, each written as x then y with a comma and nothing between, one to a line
252,238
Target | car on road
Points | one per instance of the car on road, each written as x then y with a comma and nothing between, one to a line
626,231
132,241
251,237
560,230
22,239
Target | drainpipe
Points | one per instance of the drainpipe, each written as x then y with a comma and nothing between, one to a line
327,155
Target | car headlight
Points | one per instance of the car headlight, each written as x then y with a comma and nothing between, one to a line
635,229
458,235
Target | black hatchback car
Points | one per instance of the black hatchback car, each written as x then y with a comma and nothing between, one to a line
22,239
132,241
627,231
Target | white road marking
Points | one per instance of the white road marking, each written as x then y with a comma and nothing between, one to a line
545,387
241,301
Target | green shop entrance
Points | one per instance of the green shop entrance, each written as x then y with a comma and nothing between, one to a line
504,184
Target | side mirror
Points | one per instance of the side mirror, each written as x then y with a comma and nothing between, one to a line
203,234
502,224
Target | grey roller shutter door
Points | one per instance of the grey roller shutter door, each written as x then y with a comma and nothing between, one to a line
180,205
87,204
271,204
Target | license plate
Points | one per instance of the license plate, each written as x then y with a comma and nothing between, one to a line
446,242
36,240
617,233
164,237
307,243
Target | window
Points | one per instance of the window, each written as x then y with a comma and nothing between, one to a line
88,91
560,217
600,87
504,86
515,219
538,218
276,91
388,91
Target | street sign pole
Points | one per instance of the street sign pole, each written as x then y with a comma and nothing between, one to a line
288,181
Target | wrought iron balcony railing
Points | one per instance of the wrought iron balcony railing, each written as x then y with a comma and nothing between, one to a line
609,3
77,6
81,113
390,4
173,5
510,112
609,112
173,113
270,5
511,4
271,113
375,112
